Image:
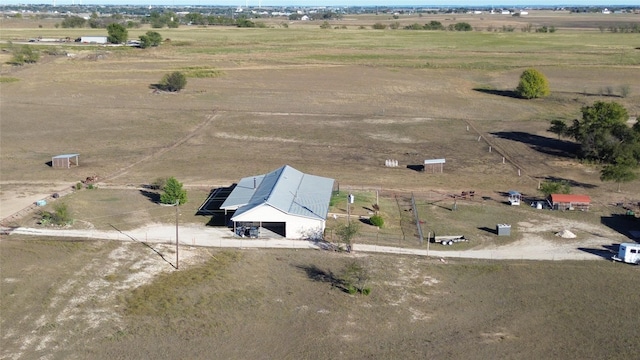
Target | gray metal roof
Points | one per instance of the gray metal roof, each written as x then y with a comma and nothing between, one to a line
65,156
286,189
434,161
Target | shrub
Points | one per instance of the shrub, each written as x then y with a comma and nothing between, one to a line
158,183
462,26
625,90
414,26
379,26
24,55
366,291
173,82
533,84
79,186
376,220
60,215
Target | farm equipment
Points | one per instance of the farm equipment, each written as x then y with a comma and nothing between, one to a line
450,240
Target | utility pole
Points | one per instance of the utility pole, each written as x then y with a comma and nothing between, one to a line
177,203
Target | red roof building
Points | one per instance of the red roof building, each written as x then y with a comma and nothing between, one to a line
570,202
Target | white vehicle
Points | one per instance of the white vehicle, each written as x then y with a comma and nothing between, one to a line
628,253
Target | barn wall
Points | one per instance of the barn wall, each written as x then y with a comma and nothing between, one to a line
60,163
302,228
296,227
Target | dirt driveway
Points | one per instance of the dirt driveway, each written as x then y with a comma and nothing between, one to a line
532,246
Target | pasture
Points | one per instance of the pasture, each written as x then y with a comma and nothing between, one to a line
334,103
100,300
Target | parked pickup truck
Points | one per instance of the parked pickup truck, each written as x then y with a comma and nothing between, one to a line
449,240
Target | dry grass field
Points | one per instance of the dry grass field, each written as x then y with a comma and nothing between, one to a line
334,103
97,301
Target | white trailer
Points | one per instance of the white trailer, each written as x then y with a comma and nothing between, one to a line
450,240
629,253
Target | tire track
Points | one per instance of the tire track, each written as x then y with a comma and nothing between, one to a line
7,221
194,132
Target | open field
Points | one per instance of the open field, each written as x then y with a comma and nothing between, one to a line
89,300
334,103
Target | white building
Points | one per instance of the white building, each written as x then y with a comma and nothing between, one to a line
93,39
285,201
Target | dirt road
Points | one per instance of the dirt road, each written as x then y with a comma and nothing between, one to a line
531,247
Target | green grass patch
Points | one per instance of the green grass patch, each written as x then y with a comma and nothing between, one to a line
181,293
201,72
7,79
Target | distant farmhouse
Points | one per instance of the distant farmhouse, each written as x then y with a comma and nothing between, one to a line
285,201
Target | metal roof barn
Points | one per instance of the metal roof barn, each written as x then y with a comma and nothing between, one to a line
286,201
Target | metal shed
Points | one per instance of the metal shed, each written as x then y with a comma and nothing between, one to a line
65,161
570,202
434,165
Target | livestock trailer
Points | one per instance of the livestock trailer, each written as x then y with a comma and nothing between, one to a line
629,253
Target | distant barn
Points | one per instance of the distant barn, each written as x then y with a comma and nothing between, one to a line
65,161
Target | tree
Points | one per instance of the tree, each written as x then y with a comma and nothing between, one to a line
174,82
558,127
555,187
346,233
117,34
151,38
533,84
603,133
173,192
620,171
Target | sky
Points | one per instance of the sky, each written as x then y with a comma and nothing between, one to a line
391,3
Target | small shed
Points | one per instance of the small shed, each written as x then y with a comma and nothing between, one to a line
503,230
434,165
65,161
514,197
570,202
